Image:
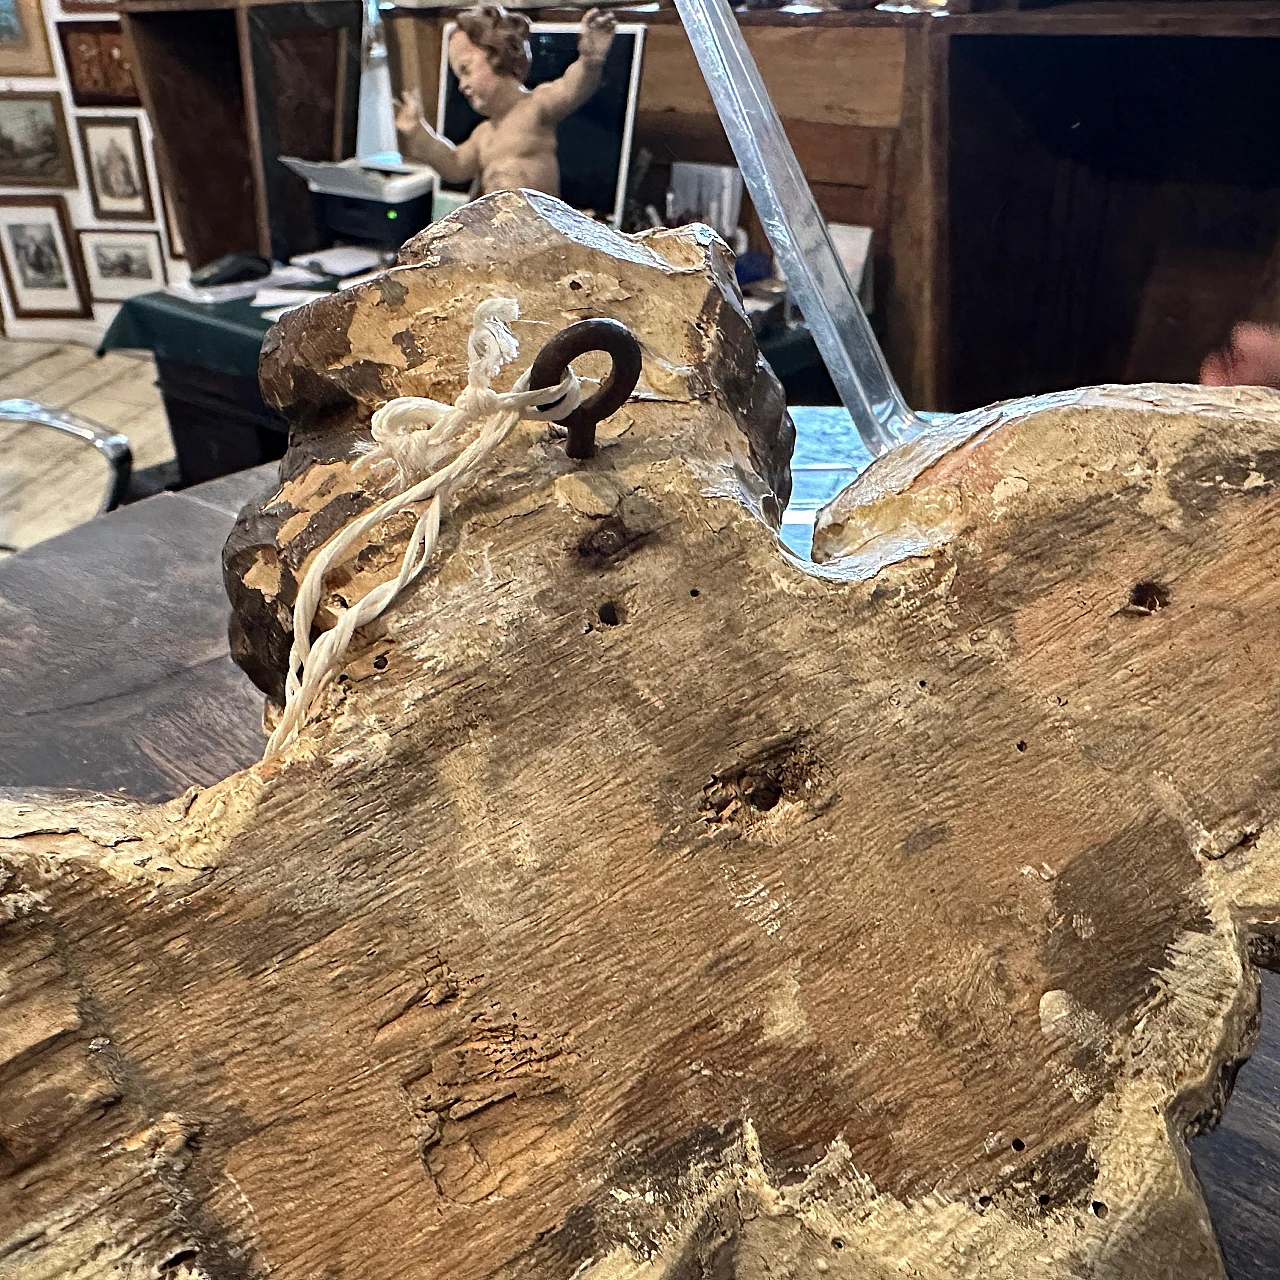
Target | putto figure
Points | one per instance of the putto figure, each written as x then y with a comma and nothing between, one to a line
515,145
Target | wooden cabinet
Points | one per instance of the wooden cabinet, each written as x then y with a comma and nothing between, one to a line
1082,193
838,90
230,87
1114,205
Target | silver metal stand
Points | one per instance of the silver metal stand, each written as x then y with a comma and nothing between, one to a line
796,229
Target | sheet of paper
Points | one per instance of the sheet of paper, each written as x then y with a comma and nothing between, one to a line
341,260
338,179
288,275
363,278
287,298
852,246
388,162
276,312
213,294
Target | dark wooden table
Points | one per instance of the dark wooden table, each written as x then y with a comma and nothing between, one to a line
115,675
114,667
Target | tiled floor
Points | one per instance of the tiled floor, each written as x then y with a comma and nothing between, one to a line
49,482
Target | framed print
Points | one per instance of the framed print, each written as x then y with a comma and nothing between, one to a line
24,46
35,150
119,264
118,183
97,65
42,268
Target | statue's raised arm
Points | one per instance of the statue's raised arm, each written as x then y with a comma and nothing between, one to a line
560,98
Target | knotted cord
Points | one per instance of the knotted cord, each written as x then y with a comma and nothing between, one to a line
437,449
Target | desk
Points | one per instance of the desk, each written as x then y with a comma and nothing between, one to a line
115,671
207,361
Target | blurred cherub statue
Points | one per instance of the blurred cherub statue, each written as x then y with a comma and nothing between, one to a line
515,146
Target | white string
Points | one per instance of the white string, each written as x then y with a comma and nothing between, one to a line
417,435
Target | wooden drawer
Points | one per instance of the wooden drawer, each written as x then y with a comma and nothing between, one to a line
839,76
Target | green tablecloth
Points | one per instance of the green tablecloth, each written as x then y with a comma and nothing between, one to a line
224,337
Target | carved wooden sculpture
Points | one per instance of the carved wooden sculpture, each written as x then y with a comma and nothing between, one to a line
647,904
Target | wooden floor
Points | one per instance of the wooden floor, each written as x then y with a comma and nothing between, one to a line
48,482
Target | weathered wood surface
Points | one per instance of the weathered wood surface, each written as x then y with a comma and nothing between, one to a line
647,904
1237,1164
114,670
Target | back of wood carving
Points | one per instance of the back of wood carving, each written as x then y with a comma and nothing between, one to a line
645,903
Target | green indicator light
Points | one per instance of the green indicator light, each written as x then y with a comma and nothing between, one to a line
391,213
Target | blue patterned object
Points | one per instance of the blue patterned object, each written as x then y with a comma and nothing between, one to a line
829,453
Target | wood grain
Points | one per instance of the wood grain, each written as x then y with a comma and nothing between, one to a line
188,70
1124,226
835,154
860,81
917,307
776,920
413,47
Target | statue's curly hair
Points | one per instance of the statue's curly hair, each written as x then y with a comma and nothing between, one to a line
503,36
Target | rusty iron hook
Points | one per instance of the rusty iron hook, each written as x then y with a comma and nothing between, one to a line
552,363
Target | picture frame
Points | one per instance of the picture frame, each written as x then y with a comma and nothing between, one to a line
43,272
116,165
35,147
122,264
98,66
24,42
594,143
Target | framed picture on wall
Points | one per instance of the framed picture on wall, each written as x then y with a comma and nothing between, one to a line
119,185
119,264
43,272
97,65
24,46
35,150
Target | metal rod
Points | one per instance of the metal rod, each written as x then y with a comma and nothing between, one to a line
796,229
113,446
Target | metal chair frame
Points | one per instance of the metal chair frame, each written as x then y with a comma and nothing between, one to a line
113,446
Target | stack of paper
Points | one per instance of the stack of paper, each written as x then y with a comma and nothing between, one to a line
340,261
287,297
